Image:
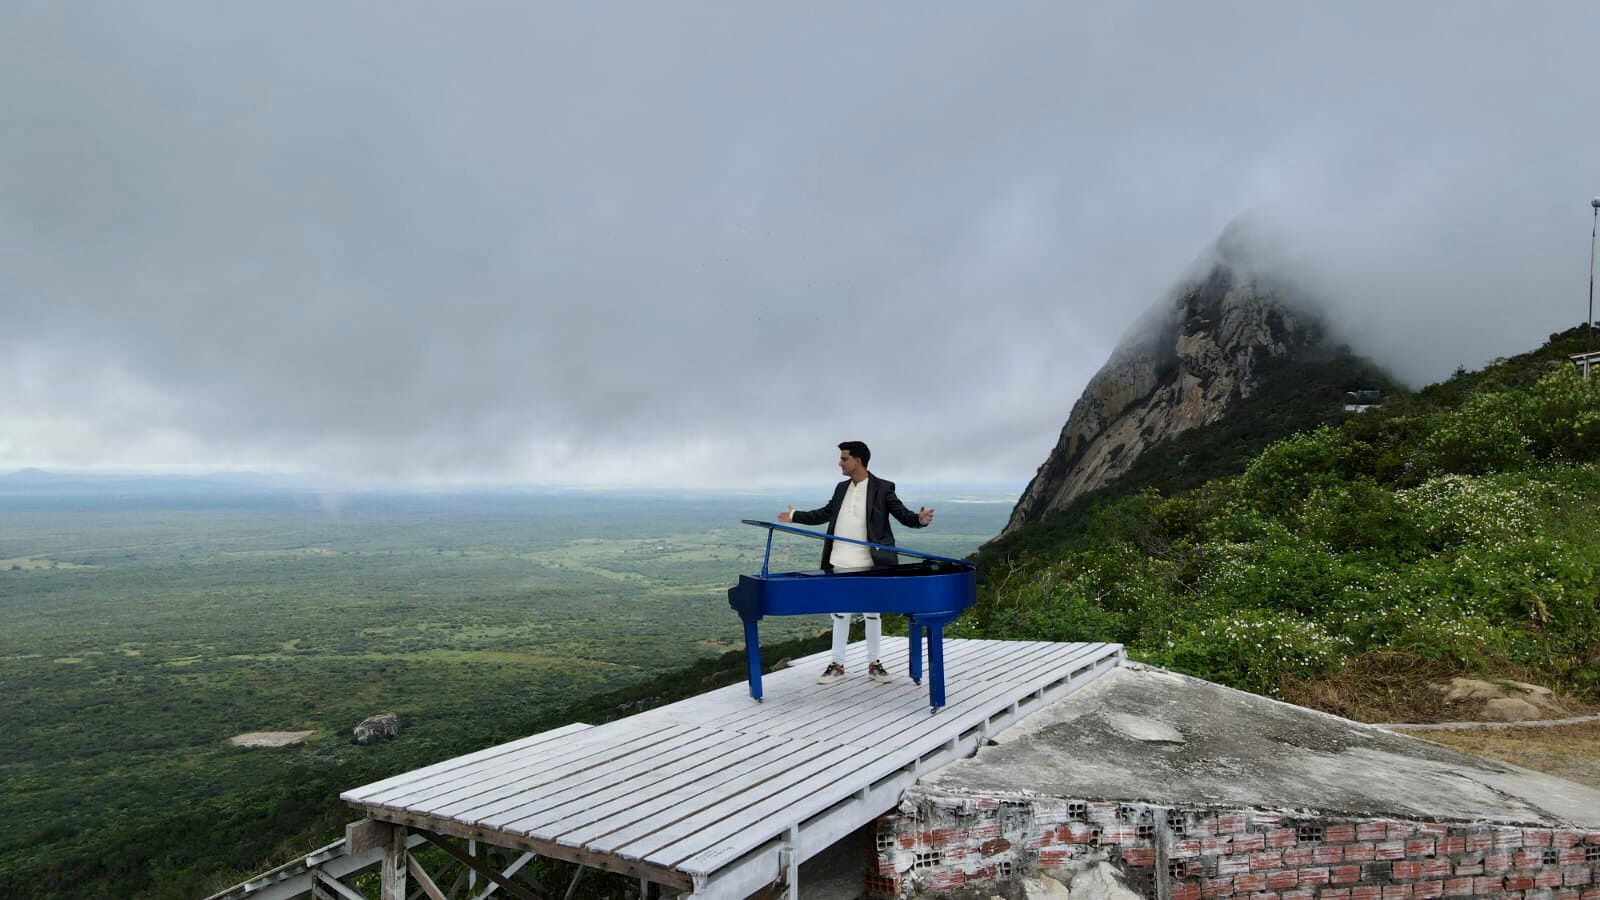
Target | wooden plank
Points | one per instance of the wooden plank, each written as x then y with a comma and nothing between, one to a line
453,785
756,783
918,739
360,794
521,780
702,775
605,784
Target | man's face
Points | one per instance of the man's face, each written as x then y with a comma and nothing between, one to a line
848,465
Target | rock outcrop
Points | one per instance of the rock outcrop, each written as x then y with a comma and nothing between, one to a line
380,727
1180,367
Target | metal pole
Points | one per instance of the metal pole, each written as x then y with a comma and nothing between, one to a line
1596,204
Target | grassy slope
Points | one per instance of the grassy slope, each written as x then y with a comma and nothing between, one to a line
1451,531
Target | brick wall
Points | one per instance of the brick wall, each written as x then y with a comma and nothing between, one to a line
962,846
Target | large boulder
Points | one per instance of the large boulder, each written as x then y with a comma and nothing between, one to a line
380,727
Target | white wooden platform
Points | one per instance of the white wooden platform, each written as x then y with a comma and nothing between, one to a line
721,795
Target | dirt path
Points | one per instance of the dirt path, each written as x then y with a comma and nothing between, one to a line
1565,751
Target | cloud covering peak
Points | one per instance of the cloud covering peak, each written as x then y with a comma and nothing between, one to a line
701,244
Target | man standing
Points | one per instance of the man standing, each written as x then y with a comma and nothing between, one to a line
860,509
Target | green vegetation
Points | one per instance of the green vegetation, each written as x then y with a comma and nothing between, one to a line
137,636
1455,526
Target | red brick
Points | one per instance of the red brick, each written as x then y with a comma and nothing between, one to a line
1427,889
1297,856
1577,875
1458,887
1433,828
1359,853
947,879
1371,831
1327,856
1054,859
1215,844
1184,849
1407,868
1249,843
1454,845
1564,839
1436,868
993,846
1117,834
1333,894
1264,819
1216,887
1269,859
1488,884
1389,849
1301,894
1396,891
1257,882
1567,894
1140,856
1519,881
1549,877
1233,865
1282,837
1535,837
1508,838
1497,862
1529,859
1231,824
1473,867
1366,892
1420,847
1187,890
1592,837
1573,856
1591,894
1346,874
1480,841
1313,877
1401,830
986,832
1283,878
1339,834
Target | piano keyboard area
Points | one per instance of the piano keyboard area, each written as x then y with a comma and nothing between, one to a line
706,794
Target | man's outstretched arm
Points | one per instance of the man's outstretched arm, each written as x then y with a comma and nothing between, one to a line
918,519
808,516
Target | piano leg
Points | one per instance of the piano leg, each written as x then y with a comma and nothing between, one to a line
915,630
752,658
936,666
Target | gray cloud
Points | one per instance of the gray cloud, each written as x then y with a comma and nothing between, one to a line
703,243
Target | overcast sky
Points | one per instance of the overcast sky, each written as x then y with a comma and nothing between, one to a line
693,244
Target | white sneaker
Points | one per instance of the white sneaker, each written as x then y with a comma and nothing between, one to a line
833,674
878,673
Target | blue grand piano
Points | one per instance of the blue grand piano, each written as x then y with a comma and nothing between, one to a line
930,593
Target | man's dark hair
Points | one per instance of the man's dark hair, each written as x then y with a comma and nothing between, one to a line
857,450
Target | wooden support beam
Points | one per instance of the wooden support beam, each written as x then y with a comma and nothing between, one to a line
423,881
506,884
333,887
359,837
394,865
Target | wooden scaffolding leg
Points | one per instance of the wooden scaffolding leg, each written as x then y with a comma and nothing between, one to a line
394,864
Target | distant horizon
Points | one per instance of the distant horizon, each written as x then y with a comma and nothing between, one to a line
322,481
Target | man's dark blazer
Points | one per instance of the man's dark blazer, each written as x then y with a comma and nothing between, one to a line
881,504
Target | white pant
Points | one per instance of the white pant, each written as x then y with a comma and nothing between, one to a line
841,635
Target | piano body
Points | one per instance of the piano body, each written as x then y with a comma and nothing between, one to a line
930,593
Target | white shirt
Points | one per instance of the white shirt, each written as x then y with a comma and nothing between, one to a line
852,523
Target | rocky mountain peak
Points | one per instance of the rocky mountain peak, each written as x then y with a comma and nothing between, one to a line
1181,365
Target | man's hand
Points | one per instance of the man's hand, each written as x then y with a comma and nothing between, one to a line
924,515
786,517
